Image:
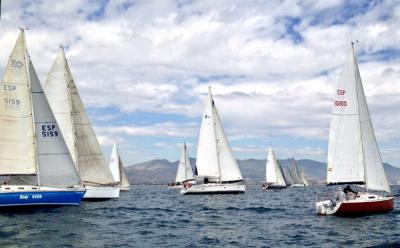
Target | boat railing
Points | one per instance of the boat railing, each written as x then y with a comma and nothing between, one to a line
324,196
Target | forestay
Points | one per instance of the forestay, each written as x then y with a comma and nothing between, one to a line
353,155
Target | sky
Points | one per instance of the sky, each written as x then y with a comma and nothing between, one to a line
143,68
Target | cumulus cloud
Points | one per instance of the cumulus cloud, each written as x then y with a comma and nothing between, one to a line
272,65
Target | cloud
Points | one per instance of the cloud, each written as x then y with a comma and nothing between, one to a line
272,65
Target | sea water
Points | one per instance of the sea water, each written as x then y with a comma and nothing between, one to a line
154,216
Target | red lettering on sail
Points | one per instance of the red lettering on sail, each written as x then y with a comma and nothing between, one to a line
341,103
340,92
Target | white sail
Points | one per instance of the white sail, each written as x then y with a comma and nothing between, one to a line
55,164
207,159
184,172
114,163
353,155
124,179
303,179
17,149
273,170
88,155
214,155
294,173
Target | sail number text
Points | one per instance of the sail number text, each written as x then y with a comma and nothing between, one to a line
49,130
34,196
340,103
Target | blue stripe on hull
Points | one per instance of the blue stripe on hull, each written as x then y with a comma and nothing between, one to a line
41,198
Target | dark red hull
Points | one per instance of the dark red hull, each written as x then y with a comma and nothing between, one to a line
363,208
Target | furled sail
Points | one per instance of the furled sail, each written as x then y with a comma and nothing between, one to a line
55,164
64,99
273,170
214,155
353,154
184,172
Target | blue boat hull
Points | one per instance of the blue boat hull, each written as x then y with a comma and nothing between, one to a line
41,198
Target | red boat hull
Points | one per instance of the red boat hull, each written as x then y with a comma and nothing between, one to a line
368,207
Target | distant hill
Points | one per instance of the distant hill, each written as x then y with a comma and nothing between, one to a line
161,171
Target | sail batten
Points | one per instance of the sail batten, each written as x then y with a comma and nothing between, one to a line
353,154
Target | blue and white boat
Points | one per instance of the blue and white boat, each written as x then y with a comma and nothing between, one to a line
33,153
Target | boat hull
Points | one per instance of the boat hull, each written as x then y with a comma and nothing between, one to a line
124,188
214,188
40,197
99,193
297,185
367,204
265,187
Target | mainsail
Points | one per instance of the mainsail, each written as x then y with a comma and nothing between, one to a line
47,151
294,173
353,154
75,125
214,156
273,170
184,172
303,179
117,167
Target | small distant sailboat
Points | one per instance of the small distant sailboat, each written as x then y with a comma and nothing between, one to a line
353,154
295,175
33,152
81,139
184,174
215,162
303,179
117,169
274,174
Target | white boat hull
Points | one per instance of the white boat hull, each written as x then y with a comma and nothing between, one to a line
125,188
297,185
176,187
214,188
364,203
101,192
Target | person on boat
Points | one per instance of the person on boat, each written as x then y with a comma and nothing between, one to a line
349,192
206,180
340,196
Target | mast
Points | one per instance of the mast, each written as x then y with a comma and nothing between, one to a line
359,119
215,133
27,60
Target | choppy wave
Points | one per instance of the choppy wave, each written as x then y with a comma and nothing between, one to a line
152,216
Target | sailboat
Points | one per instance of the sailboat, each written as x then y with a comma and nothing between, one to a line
303,179
184,174
33,152
353,154
274,175
117,169
81,139
215,163
288,178
297,180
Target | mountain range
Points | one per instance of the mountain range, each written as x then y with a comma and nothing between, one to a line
162,171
